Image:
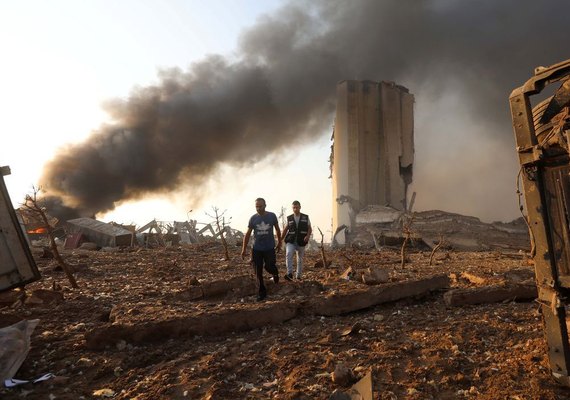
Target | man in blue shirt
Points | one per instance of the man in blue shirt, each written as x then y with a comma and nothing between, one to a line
263,251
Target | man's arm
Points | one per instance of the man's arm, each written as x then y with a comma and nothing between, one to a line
309,231
285,230
278,232
245,242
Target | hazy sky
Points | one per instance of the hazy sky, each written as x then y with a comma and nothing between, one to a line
62,59
114,100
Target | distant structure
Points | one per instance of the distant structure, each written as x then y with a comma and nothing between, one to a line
373,149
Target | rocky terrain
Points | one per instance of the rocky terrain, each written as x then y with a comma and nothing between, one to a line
183,323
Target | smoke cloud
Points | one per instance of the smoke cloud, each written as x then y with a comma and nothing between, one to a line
460,59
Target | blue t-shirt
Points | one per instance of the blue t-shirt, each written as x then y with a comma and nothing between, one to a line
262,226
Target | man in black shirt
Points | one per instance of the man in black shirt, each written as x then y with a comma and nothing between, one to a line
297,234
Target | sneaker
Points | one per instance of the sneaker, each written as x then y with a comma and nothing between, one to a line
289,277
275,278
298,277
261,296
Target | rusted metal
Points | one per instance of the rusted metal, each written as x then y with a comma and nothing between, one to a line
544,156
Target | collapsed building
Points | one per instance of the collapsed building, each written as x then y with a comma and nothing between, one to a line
372,161
373,150
153,234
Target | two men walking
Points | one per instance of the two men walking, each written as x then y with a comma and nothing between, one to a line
296,234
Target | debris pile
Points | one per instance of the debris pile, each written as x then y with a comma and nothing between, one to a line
383,226
180,322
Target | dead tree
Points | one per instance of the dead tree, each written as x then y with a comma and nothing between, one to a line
220,221
407,232
322,247
31,204
283,217
440,243
376,242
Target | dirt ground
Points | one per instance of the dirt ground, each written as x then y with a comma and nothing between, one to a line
144,324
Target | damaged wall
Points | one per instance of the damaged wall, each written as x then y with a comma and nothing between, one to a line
101,233
373,150
17,265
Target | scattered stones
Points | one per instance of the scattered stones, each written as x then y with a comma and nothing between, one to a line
348,274
104,393
340,395
44,296
354,329
84,362
375,276
11,296
416,343
343,376
88,246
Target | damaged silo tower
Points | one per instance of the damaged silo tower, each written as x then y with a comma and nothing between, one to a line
373,149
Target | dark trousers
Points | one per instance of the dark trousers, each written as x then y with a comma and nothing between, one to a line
260,260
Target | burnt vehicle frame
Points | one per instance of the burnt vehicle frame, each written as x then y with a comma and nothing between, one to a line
542,137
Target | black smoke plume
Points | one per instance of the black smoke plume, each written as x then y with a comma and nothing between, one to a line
281,88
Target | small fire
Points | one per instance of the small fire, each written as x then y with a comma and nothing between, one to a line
39,230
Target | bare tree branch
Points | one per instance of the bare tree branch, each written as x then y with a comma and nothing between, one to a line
220,221
31,204
322,247
407,231
436,248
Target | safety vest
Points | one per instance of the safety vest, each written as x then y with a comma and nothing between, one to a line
297,233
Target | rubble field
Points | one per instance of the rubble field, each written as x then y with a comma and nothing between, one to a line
183,323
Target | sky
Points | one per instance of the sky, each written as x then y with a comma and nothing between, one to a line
64,59
142,110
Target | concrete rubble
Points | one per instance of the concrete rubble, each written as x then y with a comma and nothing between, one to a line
101,233
371,164
377,226
187,232
491,294
82,232
185,305
130,325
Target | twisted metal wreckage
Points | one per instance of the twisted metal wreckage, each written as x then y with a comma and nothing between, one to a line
542,136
